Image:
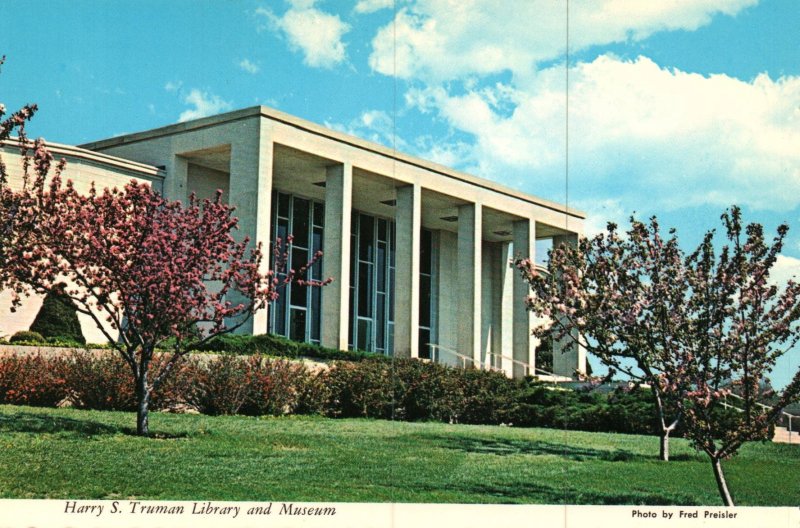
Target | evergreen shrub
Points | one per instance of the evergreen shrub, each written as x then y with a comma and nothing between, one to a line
58,318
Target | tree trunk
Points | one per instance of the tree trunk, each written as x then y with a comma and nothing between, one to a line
663,434
722,485
663,453
142,406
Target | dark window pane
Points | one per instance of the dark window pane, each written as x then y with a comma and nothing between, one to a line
425,257
365,289
364,335
319,214
382,229
392,245
391,294
316,311
365,238
425,301
381,268
390,341
380,321
316,271
424,339
299,259
297,324
283,205
353,249
280,315
283,230
351,318
300,222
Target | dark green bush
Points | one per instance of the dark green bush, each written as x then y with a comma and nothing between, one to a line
362,389
58,317
272,345
242,345
27,336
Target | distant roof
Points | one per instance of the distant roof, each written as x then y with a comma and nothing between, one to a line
59,150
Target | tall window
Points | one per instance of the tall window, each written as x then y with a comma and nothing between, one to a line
371,283
426,324
372,279
296,313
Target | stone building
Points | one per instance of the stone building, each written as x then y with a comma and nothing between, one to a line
419,252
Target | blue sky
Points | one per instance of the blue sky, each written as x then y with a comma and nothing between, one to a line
675,108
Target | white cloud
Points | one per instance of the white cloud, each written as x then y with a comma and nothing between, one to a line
316,34
249,66
204,104
173,86
440,39
372,125
658,137
370,6
600,212
785,268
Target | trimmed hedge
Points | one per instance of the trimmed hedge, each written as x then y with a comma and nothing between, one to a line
27,336
272,345
403,389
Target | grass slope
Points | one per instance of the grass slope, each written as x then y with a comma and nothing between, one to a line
59,453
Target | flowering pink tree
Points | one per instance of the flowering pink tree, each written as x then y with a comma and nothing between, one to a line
693,327
741,323
150,272
622,298
19,208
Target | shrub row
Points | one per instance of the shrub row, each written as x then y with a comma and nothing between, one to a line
402,389
242,345
271,345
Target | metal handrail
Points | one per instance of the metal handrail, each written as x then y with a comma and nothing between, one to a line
489,366
784,413
527,366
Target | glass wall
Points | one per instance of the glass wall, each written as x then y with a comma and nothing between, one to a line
371,283
296,313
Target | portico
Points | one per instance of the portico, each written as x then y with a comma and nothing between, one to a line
419,252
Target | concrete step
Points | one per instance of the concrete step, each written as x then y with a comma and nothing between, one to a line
783,436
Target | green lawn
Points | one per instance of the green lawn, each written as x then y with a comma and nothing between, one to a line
59,453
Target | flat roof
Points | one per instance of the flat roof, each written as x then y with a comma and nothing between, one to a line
59,150
319,130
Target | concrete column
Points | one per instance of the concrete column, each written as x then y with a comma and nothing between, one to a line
505,317
567,355
408,224
175,186
251,194
523,343
336,256
468,326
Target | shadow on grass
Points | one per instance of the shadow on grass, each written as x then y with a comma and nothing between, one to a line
24,422
537,492
534,447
